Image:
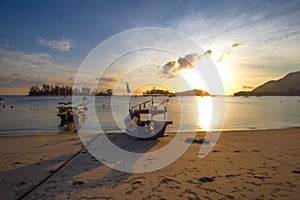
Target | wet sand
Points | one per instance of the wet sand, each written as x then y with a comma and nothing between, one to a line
243,165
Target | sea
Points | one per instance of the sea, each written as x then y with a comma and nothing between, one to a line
38,114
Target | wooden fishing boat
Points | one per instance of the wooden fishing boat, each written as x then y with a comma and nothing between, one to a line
150,128
72,117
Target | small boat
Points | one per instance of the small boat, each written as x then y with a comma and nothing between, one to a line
72,117
147,129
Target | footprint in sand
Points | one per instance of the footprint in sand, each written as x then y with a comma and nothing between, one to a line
296,171
170,183
230,175
169,180
259,177
206,179
21,184
78,183
135,184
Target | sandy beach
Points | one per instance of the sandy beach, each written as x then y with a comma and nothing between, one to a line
243,165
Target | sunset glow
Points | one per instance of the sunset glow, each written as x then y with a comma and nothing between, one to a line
250,43
194,79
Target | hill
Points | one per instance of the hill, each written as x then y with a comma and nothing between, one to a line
286,86
194,92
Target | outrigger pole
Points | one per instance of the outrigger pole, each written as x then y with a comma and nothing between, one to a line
143,103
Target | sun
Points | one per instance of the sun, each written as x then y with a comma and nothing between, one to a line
194,79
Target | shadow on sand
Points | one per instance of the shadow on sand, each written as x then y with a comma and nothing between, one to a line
65,173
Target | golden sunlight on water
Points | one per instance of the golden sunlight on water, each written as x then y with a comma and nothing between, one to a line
205,113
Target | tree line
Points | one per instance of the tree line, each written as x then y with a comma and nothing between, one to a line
56,90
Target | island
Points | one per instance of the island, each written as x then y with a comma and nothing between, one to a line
159,92
194,92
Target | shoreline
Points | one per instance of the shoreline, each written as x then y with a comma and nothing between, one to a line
28,133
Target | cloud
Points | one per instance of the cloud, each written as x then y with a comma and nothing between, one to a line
63,44
22,79
21,69
106,79
220,59
168,69
236,45
186,62
258,28
19,58
208,52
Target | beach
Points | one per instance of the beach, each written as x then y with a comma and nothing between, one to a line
261,164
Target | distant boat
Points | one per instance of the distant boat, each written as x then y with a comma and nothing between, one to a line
147,129
70,116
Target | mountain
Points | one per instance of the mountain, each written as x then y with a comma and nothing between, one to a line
194,92
286,86
290,81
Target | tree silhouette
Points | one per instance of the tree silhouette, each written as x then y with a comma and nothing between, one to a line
56,90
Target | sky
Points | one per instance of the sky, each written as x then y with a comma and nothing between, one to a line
249,42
